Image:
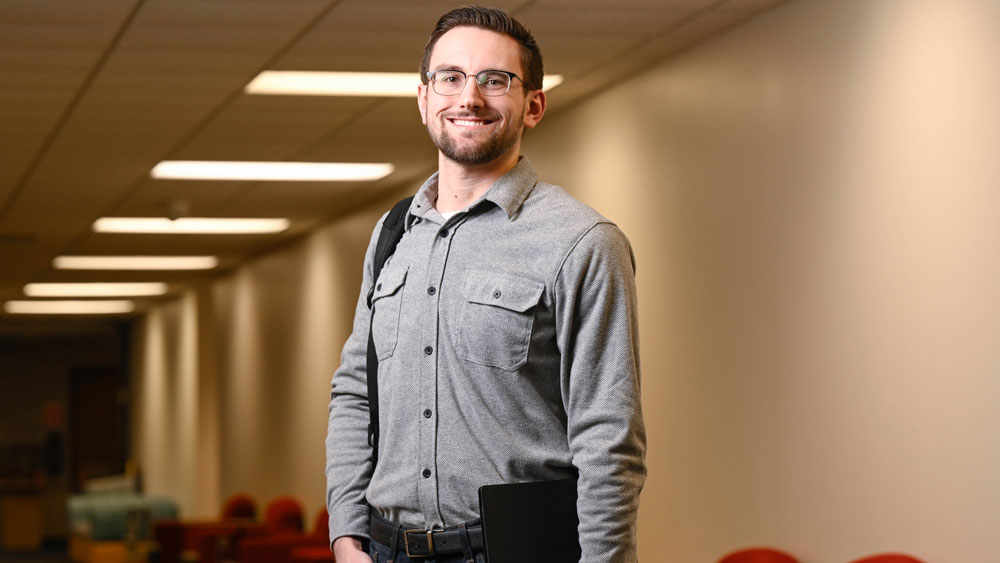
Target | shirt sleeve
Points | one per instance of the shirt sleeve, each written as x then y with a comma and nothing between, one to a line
348,456
597,331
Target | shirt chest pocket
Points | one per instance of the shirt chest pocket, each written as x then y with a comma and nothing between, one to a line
387,296
495,324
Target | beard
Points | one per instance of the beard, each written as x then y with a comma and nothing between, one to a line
497,145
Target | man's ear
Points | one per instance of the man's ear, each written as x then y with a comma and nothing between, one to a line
534,108
422,102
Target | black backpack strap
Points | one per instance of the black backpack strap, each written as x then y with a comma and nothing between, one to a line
388,238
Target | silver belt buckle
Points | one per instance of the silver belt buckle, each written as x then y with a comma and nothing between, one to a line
430,542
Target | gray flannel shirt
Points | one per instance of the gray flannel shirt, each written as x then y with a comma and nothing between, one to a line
508,351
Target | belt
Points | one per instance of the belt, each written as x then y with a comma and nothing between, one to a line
427,543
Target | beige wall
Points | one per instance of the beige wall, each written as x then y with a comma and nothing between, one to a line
165,400
811,199
232,381
813,203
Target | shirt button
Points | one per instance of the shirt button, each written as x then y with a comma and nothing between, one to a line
427,413
427,473
496,294
428,350
443,233
378,287
431,291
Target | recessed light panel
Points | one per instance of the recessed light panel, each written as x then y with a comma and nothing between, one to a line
270,171
135,262
365,84
306,83
189,225
94,289
112,307
550,81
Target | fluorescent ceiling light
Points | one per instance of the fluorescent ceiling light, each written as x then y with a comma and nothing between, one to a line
283,171
550,81
69,307
94,289
314,83
306,83
135,262
189,225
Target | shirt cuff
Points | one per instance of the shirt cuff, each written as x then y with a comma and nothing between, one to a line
349,521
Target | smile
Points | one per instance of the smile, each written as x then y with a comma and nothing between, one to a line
470,122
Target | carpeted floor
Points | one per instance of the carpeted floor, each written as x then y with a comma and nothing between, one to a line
46,555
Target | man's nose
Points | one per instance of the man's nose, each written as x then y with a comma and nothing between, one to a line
470,96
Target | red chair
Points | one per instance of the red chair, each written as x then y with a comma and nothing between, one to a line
888,558
240,506
758,555
316,554
285,545
282,517
284,513
209,538
217,543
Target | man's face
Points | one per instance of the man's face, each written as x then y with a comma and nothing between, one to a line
471,128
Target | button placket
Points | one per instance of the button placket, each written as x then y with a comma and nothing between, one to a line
429,493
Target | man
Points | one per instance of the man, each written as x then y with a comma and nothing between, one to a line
504,325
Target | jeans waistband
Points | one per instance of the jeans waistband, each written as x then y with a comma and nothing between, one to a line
464,539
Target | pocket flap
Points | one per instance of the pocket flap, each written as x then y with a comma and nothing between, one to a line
389,282
502,290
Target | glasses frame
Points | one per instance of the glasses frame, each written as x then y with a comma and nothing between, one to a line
465,81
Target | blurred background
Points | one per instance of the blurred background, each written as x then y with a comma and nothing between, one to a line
810,188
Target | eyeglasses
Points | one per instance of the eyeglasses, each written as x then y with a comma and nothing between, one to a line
452,82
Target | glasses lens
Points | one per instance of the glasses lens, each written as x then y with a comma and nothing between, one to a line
448,82
493,83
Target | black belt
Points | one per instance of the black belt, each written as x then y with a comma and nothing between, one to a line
427,543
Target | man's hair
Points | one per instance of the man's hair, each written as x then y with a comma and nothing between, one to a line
492,19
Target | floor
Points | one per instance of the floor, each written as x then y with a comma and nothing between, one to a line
53,554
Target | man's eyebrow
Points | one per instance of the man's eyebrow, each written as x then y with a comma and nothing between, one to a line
459,69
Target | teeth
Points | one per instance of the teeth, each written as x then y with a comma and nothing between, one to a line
466,123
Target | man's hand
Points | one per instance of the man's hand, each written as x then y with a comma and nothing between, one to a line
347,549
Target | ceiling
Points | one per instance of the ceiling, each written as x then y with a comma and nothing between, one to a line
93,94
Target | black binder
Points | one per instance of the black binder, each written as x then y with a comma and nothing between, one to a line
534,522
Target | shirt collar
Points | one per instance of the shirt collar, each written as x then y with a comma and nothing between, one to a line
507,193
